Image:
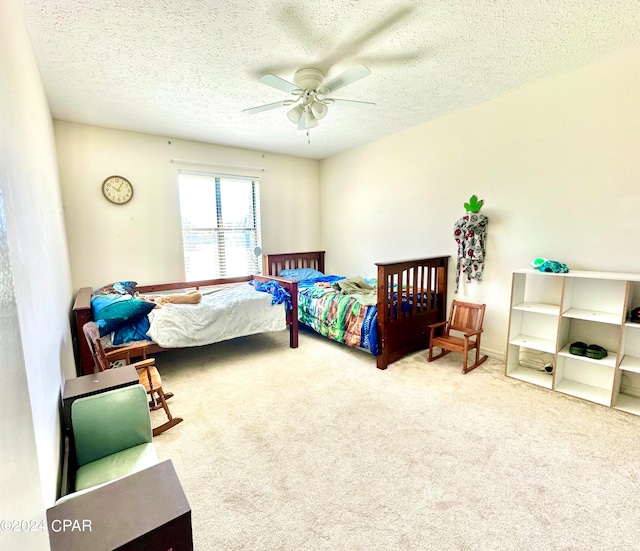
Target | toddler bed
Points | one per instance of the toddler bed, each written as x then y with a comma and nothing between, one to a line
224,309
390,321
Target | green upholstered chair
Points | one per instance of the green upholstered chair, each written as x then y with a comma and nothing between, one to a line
112,435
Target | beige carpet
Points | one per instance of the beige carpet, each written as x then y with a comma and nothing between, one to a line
316,449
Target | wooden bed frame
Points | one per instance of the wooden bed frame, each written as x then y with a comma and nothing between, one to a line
400,333
82,312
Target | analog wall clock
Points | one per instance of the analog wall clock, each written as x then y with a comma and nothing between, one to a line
117,189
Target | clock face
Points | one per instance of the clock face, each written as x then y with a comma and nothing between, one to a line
117,189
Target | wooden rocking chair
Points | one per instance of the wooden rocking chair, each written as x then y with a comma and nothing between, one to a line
147,371
465,318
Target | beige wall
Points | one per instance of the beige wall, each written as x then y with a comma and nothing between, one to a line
557,165
141,240
35,290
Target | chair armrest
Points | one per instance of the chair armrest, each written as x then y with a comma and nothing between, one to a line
434,326
126,352
472,333
144,364
148,374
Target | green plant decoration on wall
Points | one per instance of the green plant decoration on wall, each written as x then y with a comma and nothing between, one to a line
473,205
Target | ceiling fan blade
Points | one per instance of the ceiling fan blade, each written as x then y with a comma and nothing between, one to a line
352,103
267,107
278,83
398,59
348,77
359,41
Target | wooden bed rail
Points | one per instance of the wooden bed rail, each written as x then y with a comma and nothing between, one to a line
292,317
423,284
82,312
186,285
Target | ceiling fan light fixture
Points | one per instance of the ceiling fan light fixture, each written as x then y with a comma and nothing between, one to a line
311,121
319,110
295,114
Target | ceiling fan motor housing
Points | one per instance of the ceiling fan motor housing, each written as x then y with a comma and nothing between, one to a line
308,79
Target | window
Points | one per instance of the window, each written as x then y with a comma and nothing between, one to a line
220,225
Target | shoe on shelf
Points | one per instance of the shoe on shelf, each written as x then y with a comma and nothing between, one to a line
578,348
596,352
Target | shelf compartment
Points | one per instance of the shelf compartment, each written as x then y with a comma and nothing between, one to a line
590,380
536,343
591,393
527,364
529,375
592,333
533,286
538,308
630,363
609,361
593,315
627,403
539,328
601,300
628,398
631,343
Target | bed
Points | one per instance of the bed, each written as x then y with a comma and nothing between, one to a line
387,331
168,327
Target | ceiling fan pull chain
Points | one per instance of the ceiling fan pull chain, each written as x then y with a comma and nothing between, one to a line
308,137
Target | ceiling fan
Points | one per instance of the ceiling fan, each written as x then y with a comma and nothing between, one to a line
311,101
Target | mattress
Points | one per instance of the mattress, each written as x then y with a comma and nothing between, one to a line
224,313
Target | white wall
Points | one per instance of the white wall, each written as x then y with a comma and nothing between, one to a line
35,289
141,240
557,165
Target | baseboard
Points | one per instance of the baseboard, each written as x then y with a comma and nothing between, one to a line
493,354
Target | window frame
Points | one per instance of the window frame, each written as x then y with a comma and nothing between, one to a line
221,231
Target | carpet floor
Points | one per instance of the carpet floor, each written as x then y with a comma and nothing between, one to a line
315,449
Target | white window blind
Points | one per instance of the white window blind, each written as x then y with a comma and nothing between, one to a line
220,225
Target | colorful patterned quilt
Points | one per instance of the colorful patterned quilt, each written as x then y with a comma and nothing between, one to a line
341,317
337,316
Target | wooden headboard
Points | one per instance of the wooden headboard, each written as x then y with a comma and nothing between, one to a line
273,264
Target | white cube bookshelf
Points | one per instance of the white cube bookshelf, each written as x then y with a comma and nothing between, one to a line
550,311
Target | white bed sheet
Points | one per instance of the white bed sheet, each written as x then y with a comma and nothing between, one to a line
224,313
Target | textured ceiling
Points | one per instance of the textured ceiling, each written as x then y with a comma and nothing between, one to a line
187,68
